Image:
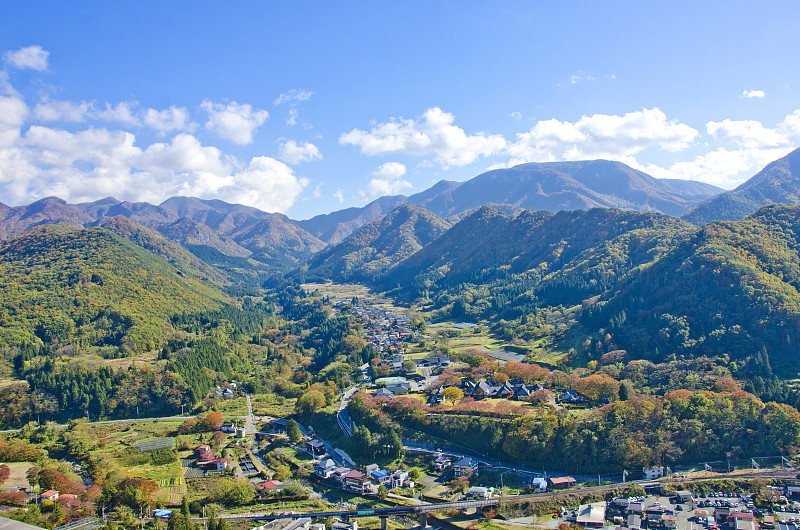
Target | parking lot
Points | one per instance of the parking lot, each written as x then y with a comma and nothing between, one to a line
697,513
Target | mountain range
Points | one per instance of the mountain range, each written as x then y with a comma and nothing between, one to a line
241,244
486,249
552,186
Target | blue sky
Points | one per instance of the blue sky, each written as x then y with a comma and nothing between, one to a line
308,107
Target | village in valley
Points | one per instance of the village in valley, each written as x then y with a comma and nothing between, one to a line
250,460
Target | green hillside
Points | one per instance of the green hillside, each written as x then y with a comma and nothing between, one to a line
731,289
62,285
378,246
490,265
156,243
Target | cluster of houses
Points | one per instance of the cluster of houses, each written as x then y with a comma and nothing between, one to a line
395,364
514,389
358,482
461,467
208,461
483,389
337,466
385,331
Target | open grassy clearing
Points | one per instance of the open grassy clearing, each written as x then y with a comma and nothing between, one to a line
271,405
263,405
232,407
17,476
116,442
544,353
339,291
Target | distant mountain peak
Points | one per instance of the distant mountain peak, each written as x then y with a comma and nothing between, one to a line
778,182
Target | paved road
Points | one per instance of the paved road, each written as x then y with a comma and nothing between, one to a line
343,416
249,425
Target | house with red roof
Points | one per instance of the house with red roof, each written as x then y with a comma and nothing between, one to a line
356,481
49,495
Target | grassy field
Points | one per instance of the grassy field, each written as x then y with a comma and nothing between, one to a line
17,476
338,291
271,405
116,443
263,405
479,340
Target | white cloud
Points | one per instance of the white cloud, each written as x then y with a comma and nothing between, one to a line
33,57
750,94
267,184
339,196
291,119
124,112
92,163
516,115
294,153
5,85
386,180
293,95
293,98
722,167
790,127
167,120
62,111
234,122
747,146
600,136
746,133
434,133
13,112
581,77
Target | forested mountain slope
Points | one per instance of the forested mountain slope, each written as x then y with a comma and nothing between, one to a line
494,265
378,246
550,186
174,253
730,289
62,285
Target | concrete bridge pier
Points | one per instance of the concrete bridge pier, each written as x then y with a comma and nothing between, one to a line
423,519
383,522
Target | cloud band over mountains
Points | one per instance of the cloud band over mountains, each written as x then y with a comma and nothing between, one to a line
84,150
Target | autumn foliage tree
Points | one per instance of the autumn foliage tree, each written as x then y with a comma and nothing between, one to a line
452,394
310,402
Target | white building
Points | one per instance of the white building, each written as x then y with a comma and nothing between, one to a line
652,473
